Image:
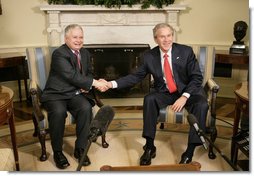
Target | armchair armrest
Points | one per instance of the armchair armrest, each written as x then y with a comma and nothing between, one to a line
213,86
212,89
34,92
32,85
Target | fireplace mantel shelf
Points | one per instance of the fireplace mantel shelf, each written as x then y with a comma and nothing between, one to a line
174,7
110,25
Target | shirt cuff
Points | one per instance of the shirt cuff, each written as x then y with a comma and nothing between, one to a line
114,84
187,95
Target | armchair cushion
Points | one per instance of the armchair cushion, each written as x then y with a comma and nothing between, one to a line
168,116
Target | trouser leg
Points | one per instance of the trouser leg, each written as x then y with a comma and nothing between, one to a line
198,106
81,109
56,117
152,104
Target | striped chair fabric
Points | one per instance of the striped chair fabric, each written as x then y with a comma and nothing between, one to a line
39,64
205,56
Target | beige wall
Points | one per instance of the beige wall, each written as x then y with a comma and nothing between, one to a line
205,22
212,21
22,23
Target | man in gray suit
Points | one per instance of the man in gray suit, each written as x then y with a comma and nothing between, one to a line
69,82
183,90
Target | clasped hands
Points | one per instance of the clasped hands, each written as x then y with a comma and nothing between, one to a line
102,85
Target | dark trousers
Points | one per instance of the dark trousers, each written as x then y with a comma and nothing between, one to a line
80,108
153,102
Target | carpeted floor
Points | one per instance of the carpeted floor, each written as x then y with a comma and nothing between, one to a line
125,150
124,137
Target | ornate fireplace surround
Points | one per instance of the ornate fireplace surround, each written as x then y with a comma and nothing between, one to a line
109,25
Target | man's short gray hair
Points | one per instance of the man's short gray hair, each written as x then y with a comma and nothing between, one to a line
161,25
70,27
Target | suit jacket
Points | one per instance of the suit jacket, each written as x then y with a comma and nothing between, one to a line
65,78
187,74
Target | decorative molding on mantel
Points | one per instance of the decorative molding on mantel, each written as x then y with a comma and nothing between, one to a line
173,7
59,16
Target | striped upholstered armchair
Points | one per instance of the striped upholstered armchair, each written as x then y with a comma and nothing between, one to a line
39,59
205,56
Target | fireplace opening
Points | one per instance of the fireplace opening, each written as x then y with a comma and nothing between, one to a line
112,61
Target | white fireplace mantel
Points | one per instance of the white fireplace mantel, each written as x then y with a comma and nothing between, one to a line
109,25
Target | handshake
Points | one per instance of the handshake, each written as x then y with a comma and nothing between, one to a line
102,85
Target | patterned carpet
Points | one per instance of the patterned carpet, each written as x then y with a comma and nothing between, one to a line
25,137
125,149
127,125
126,119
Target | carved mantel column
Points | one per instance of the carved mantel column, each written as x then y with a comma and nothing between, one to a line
54,29
172,19
112,21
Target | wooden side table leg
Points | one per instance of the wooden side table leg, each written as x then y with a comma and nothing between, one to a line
26,76
235,156
13,138
20,93
235,127
26,89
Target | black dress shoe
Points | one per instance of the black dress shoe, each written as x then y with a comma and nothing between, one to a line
147,156
78,152
185,159
60,160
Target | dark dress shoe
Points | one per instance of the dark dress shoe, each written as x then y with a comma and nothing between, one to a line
60,160
185,159
78,152
147,156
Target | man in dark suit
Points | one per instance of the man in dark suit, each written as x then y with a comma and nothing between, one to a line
184,90
70,77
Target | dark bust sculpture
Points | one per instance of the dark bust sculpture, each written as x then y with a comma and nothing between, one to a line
240,29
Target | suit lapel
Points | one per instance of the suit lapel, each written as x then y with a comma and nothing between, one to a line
175,58
157,62
82,61
174,54
74,59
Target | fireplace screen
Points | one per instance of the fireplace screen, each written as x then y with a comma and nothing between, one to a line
112,61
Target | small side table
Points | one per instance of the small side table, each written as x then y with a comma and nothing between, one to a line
14,67
7,116
223,56
240,141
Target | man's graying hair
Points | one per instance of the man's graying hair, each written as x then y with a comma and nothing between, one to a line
70,27
161,25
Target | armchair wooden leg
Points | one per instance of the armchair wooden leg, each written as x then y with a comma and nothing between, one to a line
162,126
213,137
103,141
35,134
42,138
